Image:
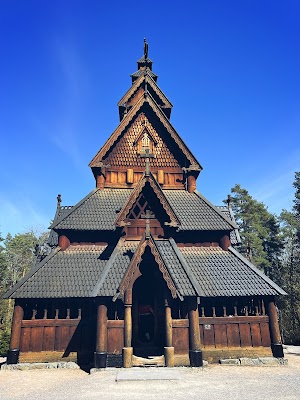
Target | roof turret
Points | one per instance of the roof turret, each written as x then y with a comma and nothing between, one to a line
144,66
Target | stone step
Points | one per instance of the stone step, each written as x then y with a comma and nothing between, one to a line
158,361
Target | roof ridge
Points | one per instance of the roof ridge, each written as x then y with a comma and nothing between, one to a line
256,270
233,224
106,269
186,268
55,223
30,273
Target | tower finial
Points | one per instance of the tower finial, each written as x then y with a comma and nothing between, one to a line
145,48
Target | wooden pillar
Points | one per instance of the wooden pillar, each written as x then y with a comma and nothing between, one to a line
14,347
100,356
101,339
169,333
191,183
63,242
276,345
169,349
194,330
160,176
225,242
127,350
129,176
100,181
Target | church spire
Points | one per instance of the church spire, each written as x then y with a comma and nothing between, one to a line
144,65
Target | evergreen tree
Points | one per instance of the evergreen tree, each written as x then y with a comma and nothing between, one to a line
259,231
16,258
291,269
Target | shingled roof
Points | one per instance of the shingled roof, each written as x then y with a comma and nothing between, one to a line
227,273
93,270
195,212
150,102
97,211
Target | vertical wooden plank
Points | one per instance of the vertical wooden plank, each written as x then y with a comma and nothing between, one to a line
208,334
25,339
122,177
49,338
181,340
115,340
233,335
171,179
265,334
62,338
36,338
114,177
255,334
245,335
220,335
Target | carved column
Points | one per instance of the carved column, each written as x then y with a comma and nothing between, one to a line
194,330
100,356
14,347
128,350
169,349
276,344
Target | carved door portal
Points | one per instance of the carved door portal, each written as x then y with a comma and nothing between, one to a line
148,309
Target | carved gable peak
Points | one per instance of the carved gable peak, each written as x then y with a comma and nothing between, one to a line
133,271
139,201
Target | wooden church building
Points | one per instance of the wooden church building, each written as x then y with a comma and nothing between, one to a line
144,267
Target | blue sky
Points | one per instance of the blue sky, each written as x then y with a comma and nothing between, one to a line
230,68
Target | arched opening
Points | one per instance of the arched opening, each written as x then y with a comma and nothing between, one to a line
148,314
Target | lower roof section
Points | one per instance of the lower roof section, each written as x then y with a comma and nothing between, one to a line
97,270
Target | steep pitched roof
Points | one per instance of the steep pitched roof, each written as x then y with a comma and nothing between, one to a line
227,273
97,211
102,209
147,99
159,194
195,212
145,78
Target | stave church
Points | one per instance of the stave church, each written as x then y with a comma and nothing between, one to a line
144,270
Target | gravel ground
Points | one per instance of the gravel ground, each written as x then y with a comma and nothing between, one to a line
212,382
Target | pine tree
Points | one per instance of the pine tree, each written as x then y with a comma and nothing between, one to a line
259,231
291,268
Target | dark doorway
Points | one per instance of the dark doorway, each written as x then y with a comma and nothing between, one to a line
148,309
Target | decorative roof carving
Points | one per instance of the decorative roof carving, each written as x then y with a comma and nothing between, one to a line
133,273
159,194
128,119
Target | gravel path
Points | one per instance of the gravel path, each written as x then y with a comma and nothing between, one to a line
212,382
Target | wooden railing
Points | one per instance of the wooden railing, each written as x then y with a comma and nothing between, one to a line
224,332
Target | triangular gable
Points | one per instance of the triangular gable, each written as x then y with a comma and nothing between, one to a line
120,221
133,272
147,99
138,83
